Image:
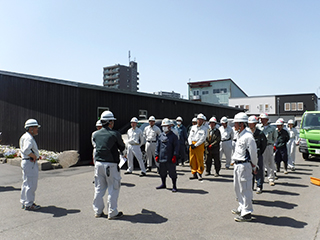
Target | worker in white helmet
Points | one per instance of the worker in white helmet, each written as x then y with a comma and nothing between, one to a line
245,161
108,143
281,153
193,122
183,138
212,147
167,151
292,143
135,140
30,171
271,134
151,134
261,142
196,141
226,141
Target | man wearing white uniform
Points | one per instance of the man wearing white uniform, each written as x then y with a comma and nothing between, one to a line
30,171
196,139
151,134
291,145
271,134
226,140
108,143
245,160
135,140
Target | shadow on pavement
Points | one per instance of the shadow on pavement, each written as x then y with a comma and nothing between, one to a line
281,192
218,179
300,173
145,216
291,184
307,165
193,191
57,211
279,221
302,169
279,204
288,177
9,188
128,184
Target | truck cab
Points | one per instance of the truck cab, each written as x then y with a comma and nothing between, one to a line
309,143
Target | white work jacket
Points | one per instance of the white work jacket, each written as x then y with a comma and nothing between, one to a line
135,137
226,133
245,144
28,145
197,134
293,134
151,133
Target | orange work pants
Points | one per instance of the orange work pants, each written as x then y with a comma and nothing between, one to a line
196,159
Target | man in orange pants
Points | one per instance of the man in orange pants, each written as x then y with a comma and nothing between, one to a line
196,139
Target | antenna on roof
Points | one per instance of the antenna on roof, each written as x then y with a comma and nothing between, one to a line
129,56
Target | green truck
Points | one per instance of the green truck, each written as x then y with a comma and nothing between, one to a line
309,143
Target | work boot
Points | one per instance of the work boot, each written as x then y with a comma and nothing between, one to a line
119,215
163,185
148,169
194,176
245,218
200,177
174,185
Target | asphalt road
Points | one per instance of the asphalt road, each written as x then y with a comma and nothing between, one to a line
199,210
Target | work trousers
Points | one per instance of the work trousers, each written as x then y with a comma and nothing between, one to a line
291,145
196,159
107,176
168,167
226,149
182,153
281,154
134,150
260,174
150,150
268,162
30,173
242,181
215,155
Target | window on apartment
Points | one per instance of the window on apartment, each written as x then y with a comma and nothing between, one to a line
242,106
205,92
196,92
287,106
266,107
300,106
247,107
260,107
237,106
293,106
219,90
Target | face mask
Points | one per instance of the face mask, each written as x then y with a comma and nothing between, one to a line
165,129
178,122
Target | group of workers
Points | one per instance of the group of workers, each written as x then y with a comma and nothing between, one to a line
251,148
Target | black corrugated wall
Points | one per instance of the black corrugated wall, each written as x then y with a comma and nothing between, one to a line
68,112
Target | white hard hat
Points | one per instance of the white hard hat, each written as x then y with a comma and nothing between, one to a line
240,117
31,123
107,116
98,123
179,119
264,115
224,120
290,121
201,116
194,119
253,119
213,119
165,122
279,121
134,119
152,118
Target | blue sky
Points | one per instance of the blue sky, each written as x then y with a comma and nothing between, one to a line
265,47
